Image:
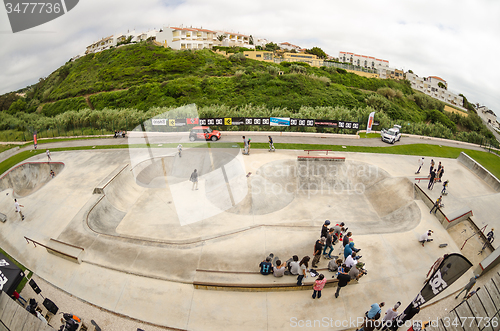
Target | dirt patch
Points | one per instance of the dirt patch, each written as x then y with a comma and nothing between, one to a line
453,110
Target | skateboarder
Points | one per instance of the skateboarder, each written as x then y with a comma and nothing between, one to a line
179,150
245,144
425,237
420,165
445,186
18,209
271,145
48,155
437,204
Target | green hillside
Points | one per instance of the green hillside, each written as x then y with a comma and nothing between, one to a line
143,79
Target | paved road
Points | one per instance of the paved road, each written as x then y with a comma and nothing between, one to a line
261,137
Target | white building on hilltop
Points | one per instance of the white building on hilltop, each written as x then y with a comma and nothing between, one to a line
289,47
435,87
113,40
187,38
363,60
488,115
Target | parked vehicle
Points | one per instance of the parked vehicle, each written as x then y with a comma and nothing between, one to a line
392,135
204,132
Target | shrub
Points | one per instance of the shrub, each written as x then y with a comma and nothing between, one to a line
387,92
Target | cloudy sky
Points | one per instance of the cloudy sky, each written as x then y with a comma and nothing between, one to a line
457,40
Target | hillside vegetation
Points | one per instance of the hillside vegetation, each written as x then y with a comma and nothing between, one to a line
125,85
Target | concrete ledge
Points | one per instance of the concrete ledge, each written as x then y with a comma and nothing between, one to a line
99,189
66,251
447,221
480,171
253,281
321,158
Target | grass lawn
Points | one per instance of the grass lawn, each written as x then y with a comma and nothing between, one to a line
490,161
369,135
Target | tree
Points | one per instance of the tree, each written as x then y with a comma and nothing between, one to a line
271,47
18,106
317,51
250,40
410,71
221,37
441,85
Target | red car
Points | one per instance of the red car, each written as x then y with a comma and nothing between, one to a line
203,132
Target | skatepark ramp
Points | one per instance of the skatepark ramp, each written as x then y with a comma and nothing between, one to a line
29,177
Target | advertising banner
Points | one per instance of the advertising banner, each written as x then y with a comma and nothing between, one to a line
280,121
326,123
10,275
194,121
370,122
159,121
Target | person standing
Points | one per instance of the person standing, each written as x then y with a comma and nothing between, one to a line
330,237
389,316
420,165
468,287
303,265
432,166
18,209
194,179
344,279
271,145
48,155
318,286
440,174
432,178
438,168
324,229
245,144
249,144
318,248
436,204
179,150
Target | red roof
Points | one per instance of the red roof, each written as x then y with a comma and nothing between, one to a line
436,77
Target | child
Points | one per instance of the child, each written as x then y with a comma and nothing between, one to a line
318,286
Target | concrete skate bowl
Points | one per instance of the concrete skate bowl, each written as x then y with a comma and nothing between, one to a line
356,192
393,199
29,177
153,172
277,184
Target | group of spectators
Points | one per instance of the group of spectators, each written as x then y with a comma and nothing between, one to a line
346,268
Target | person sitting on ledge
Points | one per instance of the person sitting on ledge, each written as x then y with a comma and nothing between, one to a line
266,266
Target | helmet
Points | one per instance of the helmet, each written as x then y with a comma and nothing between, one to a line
327,222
